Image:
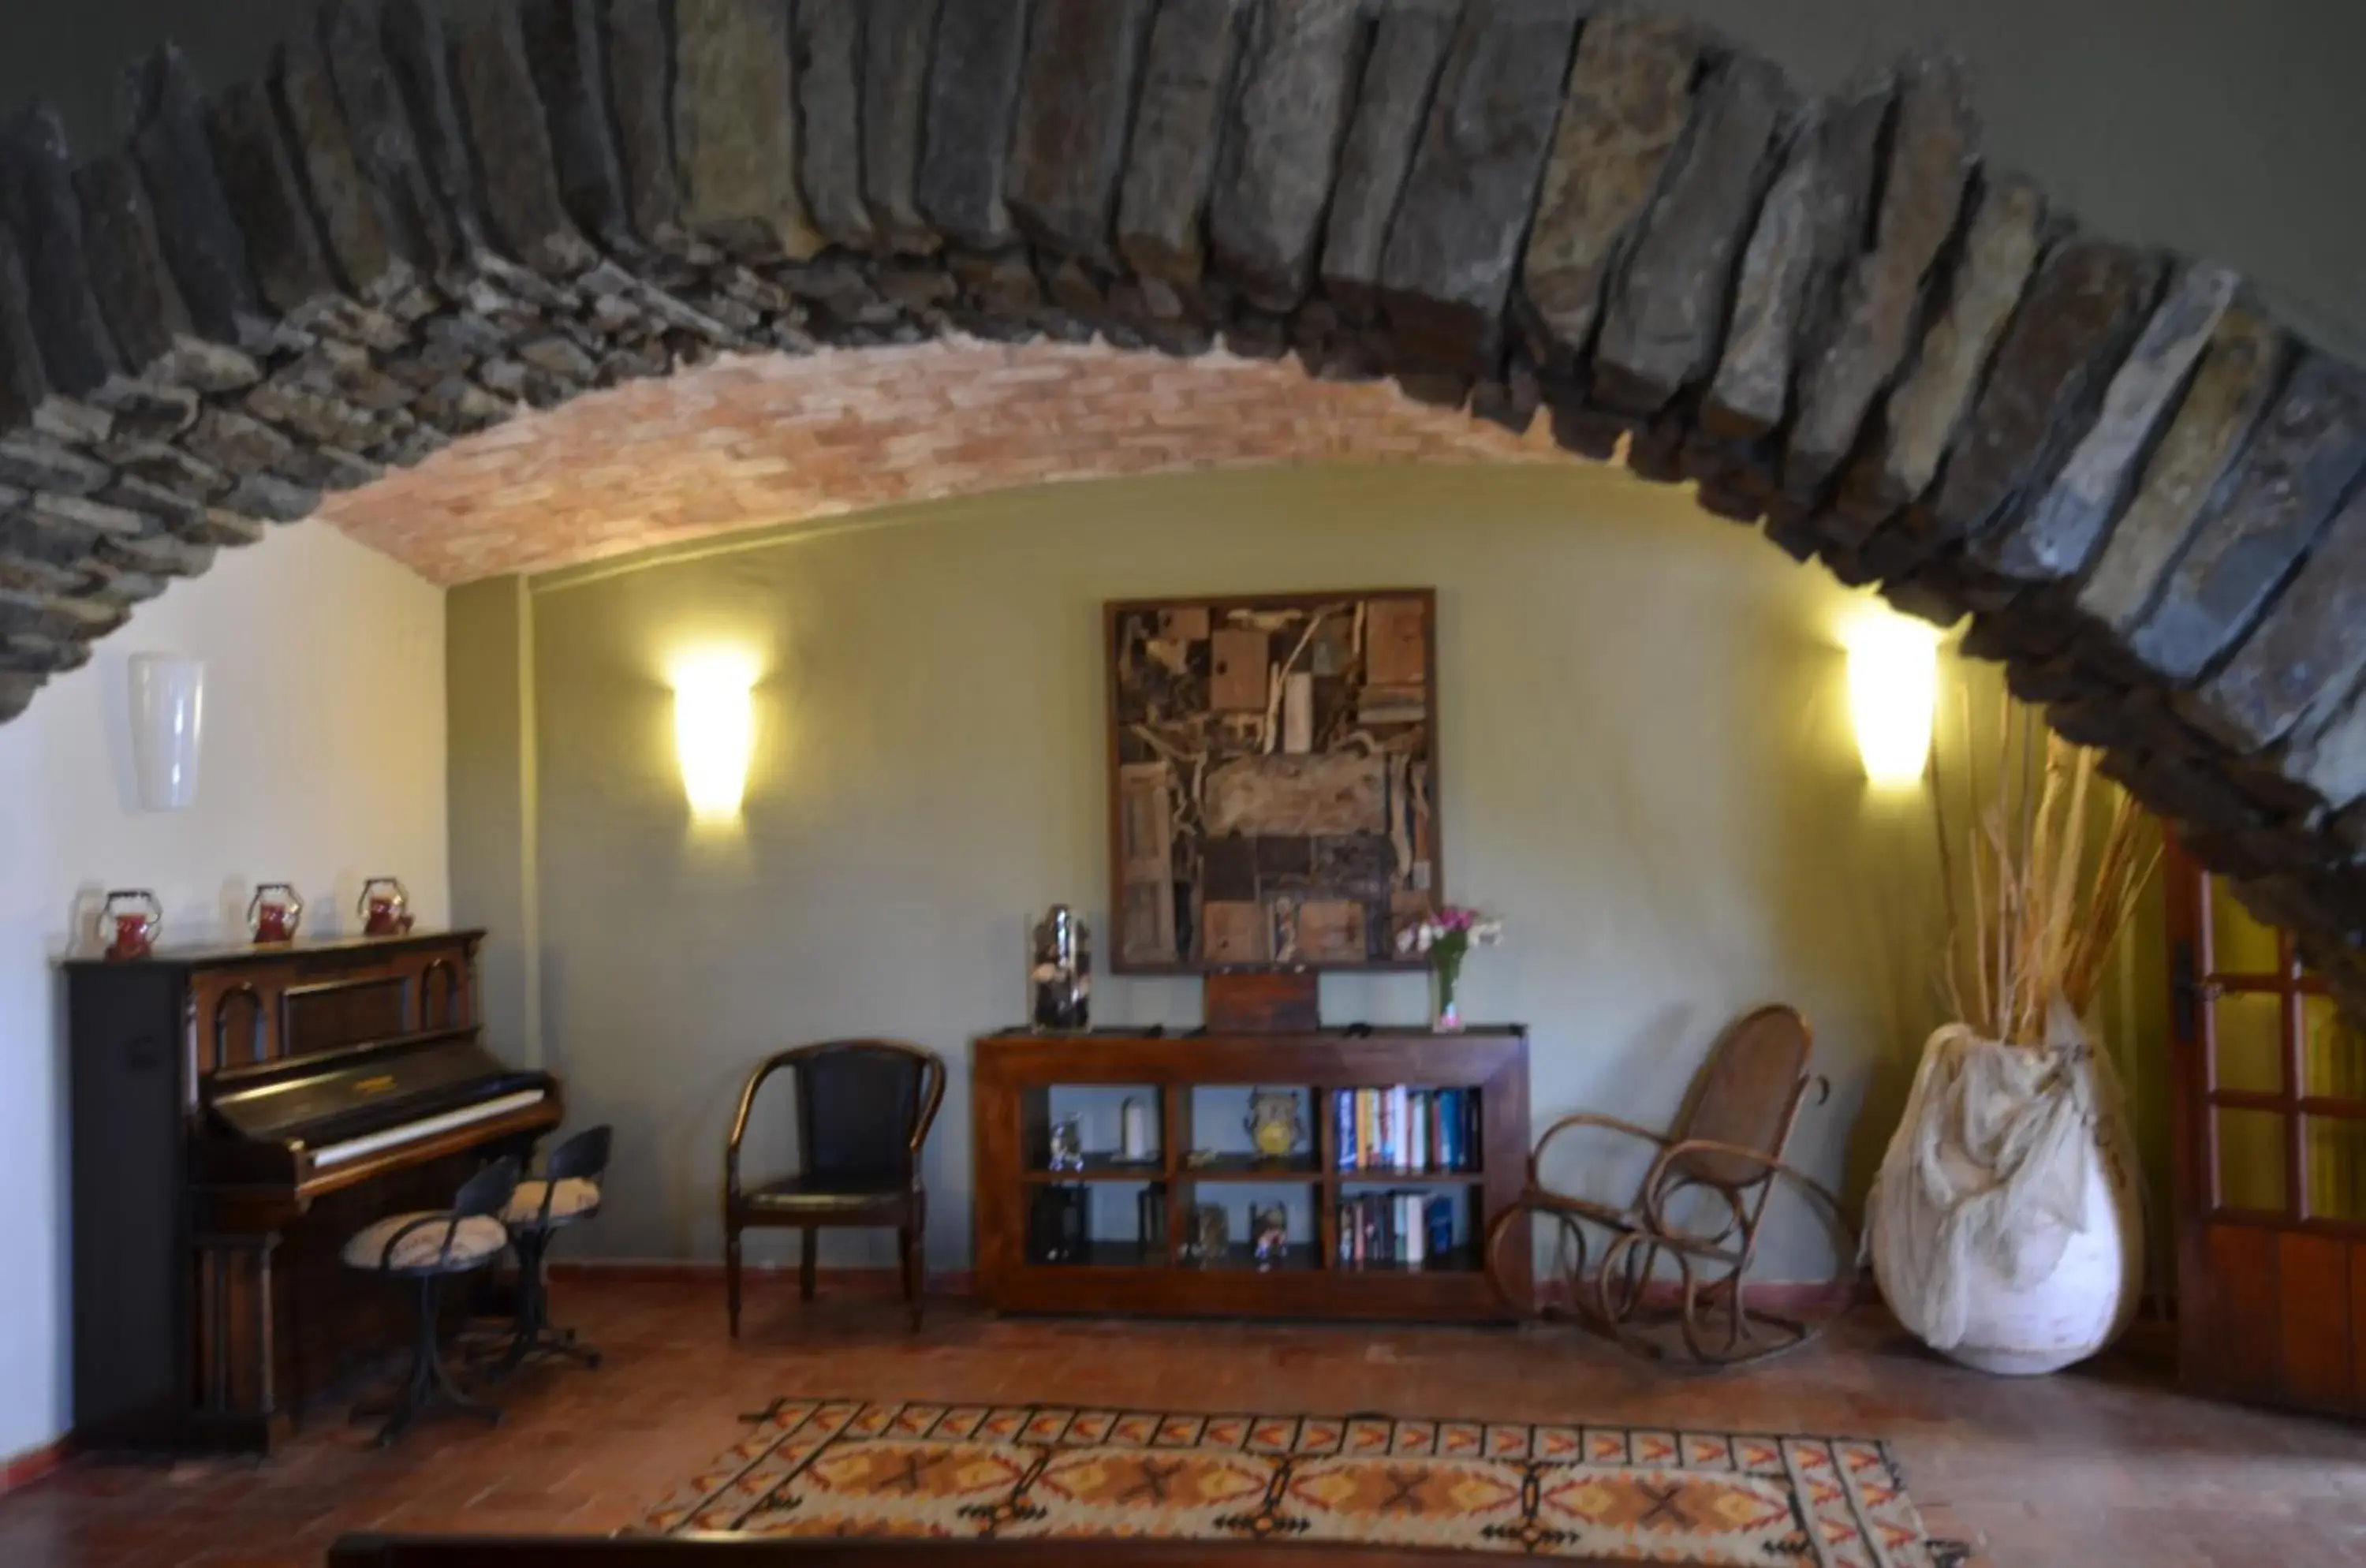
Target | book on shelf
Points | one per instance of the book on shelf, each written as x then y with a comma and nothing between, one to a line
1391,1230
1413,1130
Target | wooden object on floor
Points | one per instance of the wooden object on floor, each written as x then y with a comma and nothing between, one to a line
863,1111
236,1112
1727,1147
1016,1076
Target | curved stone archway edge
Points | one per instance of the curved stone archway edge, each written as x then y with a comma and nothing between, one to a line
1826,311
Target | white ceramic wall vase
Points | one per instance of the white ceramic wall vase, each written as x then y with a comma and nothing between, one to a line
2007,1224
168,711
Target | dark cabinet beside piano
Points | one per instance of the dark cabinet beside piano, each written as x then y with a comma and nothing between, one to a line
237,1111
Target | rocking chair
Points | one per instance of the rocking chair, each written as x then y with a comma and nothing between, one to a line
1727,1146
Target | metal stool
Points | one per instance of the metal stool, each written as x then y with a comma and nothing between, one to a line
567,1192
427,1248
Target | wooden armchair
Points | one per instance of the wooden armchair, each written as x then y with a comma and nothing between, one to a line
863,1111
1725,1155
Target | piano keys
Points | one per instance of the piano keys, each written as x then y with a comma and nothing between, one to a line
237,1112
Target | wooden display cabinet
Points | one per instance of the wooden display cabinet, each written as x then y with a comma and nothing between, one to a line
1018,1081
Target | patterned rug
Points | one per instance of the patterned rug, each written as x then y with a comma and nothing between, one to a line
1606,1494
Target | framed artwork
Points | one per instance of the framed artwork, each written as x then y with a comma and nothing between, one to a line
1273,779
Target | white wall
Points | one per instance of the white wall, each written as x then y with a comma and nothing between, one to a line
323,764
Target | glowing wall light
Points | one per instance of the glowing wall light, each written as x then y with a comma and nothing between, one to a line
715,732
1893,662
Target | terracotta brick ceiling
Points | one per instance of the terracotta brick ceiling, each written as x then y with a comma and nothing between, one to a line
753,442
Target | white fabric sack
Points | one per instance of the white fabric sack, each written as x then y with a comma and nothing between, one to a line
1999,1165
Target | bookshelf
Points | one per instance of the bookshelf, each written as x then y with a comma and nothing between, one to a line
1128,1243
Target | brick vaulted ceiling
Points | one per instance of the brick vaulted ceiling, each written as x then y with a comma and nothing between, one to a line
2148,494
759,440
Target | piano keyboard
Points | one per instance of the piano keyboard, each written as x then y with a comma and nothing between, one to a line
425,1127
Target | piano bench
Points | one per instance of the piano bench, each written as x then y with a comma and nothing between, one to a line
571,1199
425,1249
419,1245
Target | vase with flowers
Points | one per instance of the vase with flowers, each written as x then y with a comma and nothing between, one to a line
1445,937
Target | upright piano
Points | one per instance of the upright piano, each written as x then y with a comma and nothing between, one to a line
236,1112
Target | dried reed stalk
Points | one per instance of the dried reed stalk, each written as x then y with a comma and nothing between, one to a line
2046,905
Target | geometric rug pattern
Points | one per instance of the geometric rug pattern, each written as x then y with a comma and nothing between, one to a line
836,1467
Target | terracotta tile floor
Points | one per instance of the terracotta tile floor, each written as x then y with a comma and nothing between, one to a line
2109,1466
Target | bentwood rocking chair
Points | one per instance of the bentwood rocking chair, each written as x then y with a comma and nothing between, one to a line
863,1111
1700,1207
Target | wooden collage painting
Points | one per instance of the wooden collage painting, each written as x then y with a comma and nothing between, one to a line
1274,798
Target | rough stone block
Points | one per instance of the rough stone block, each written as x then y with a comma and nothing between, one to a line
897,39
33,462
640,88
1931,157
343,200
260,182
37,203
1667,310
2239,372
828,54
1455,244
2308,453
353,35
1187,80
136,294
201,241
972,101
494,86
1075,105
2055,539
1798,256
1410,44
1630,98
1929,408
734,127
2307,653
567,54
2083,309
1281,146
420,58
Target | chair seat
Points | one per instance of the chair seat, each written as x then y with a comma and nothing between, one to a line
577,1199
821,1194
478,1240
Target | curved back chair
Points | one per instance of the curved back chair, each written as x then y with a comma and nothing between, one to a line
425,1249
565,1193
863,1111
1700,1207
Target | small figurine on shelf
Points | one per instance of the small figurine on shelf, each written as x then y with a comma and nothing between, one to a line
132,917
384,907
1274,1124
1068,1144
275,914
1060,971
1210,1235
1446,937
1269,1229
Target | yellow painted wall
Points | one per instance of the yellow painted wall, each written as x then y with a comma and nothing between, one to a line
1647,768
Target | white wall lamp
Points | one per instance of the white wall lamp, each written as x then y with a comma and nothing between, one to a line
1892,666
168,716
714,733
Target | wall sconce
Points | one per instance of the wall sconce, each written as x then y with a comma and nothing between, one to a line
168,714
714,733
1892,666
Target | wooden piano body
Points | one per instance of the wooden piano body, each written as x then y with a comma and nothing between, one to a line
236,1113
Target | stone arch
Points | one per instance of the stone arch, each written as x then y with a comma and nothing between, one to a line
1826,312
